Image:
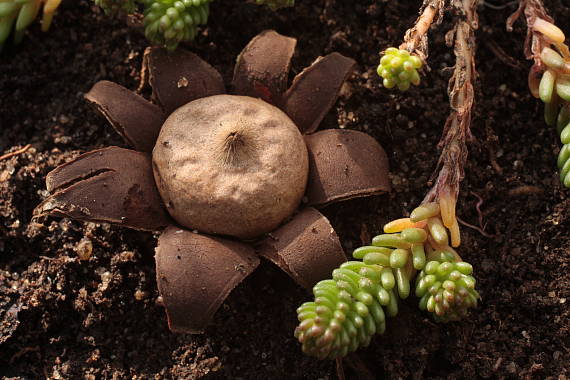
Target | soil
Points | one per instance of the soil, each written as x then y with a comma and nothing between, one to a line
62,317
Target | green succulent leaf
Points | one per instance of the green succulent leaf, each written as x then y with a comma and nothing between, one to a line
169,22
347,311
446,289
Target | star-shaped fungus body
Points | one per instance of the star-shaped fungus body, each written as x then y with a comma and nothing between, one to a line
227,178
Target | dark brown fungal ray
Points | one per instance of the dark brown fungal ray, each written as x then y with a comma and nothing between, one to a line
262,68
315,90
307,248
111,185
135,119
179,77
345,164
195,273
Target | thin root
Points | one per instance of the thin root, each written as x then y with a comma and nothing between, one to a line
340,369
15,153
487,235
478,208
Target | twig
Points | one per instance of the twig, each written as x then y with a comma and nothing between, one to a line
525,190
340,369
144,71
15,153
415,39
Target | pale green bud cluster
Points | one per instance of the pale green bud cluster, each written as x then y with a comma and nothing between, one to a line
446,288
399,68
554,91
276,4
116,6
169,22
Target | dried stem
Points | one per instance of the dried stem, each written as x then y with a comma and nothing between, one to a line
415,39
457,127
536,15
534,42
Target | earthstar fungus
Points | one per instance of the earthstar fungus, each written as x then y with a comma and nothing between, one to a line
231,165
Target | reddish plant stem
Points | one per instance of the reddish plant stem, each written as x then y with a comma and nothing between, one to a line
415,39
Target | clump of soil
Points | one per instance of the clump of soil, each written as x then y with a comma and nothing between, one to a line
80,299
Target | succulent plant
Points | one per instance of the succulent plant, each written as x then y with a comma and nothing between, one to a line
17,15
352,306
168,22
446,288
549,76
348,310
399,68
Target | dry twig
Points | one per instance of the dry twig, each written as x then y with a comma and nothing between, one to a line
415,39
457,127
15,153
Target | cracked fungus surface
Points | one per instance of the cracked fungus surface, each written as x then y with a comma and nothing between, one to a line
231,165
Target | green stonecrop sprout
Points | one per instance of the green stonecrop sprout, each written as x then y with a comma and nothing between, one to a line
170,22
399,68
549,76
17,15
554,91
446,288
352,306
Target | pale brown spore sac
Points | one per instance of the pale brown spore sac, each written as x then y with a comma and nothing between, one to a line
230,165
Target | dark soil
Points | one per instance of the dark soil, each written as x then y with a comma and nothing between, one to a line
65,318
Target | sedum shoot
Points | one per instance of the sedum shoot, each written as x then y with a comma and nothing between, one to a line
554,91
17,15
413,50
549,76
446,288
170,22
352,306
399,68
